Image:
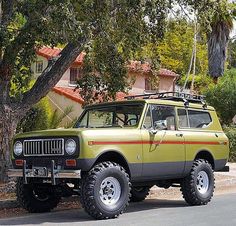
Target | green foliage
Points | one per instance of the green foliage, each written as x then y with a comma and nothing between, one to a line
175,49
31,25
41,116
224,13
222,96
124,31
104,72
113,30
56,118
232,54
37,118
231,134
201,82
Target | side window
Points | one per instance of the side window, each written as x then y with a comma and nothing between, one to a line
199,119
147,124
163,117
183,119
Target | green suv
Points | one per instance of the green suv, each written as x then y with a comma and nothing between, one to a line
118,150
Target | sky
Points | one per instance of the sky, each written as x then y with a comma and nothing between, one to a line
233,33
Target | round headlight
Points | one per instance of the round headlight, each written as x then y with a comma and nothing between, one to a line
18,148
70,147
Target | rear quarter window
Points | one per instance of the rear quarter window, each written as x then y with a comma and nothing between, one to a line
199,119
193,118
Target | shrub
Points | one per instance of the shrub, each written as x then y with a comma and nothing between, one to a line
41,116
57,118
37,118
231,134
222,96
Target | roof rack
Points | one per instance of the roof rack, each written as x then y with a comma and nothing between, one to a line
176,96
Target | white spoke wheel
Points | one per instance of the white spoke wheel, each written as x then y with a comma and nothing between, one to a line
110,191
198,186
202,182
105,191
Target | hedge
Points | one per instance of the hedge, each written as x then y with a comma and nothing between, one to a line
231,134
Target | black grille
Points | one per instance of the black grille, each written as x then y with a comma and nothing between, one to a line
45,147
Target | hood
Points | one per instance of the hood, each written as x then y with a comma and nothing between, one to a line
51,133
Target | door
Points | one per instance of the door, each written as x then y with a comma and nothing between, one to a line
163,145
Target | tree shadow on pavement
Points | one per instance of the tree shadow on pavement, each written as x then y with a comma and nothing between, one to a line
79,215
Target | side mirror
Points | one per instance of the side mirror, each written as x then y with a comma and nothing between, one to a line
153,131
160,125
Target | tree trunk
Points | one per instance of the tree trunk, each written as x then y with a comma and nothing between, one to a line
217,47
8,123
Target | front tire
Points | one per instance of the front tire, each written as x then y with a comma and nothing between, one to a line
198,187
105,191
139,194
36,198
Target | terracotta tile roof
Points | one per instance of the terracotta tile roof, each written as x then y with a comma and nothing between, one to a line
121,95
134,66
48,53
138,66
69,93
166,72
74,94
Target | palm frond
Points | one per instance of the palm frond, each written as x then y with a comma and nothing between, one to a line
57,117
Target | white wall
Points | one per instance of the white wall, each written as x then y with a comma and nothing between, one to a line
139,85
60,102
64,81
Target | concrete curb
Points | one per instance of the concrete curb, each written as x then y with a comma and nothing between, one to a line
12,203
8,204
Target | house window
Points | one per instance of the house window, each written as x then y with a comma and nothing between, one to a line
39,67
148,85
75,74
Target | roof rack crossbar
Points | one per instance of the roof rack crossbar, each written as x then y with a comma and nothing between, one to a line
176,96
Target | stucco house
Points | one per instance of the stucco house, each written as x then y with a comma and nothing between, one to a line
63,94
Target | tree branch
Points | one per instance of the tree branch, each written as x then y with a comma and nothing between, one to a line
51,75
7,11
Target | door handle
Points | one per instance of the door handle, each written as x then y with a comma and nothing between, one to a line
179,134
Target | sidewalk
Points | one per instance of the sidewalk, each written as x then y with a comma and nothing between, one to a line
225,182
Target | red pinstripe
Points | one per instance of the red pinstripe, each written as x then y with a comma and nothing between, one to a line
153,142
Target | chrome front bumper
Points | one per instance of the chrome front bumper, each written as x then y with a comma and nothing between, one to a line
52,173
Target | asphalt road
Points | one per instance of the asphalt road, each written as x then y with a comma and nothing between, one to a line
221,211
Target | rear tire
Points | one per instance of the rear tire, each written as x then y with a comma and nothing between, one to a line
36,198
139,194
105,191
198,187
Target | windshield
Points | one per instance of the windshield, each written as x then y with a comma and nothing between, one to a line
122,115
